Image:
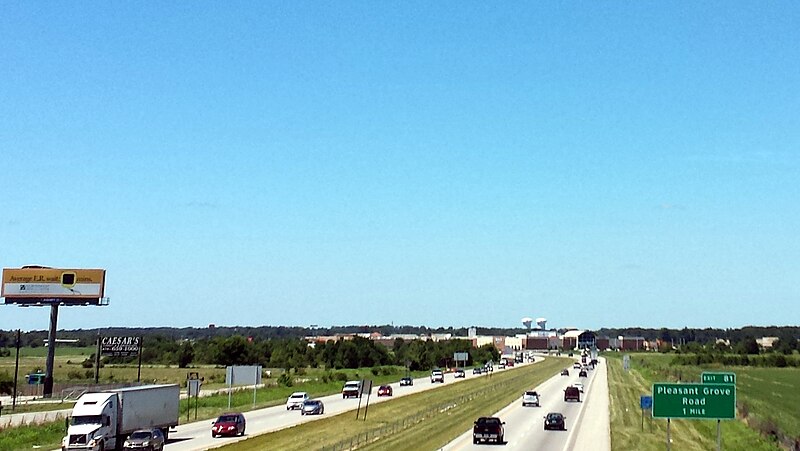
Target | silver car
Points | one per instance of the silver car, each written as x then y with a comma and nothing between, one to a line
145,440
312,407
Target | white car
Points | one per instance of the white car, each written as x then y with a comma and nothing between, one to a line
579,385
437,376
296,400
530,398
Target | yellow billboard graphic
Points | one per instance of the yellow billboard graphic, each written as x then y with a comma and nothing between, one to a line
53,283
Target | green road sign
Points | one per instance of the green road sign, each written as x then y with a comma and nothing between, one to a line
709,377
694,401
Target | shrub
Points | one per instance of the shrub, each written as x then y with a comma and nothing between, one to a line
74,374
341,376
286,380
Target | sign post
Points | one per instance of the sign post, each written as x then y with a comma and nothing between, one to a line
710,377
646,403
707,401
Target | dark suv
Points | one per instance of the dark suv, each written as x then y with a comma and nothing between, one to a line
572,394
555,421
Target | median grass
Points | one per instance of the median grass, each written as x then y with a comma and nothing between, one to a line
625,388
425,420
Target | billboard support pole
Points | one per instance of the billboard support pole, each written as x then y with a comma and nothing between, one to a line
51,351
97,361
719,437
16,374
139,373
257,368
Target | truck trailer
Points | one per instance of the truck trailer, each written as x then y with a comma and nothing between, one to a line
102,420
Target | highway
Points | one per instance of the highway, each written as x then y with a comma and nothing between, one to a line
586,421
197,435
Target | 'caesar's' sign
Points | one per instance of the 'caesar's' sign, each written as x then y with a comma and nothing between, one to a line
120,346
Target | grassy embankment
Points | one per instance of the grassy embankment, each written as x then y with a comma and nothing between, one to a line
425,420
771,391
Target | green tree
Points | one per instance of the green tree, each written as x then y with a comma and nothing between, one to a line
185,354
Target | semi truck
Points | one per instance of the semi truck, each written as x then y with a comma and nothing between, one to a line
102,420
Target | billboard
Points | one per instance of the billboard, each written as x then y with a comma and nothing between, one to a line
120,346
243,375
38,285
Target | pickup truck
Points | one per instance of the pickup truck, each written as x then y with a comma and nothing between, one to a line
351,389
437,376
488,429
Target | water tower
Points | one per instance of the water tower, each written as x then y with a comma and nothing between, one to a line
542,323
527,323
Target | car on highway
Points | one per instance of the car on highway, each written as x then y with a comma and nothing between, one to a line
579,386
572,393
385,390
406,381
576,366
565,372
437,376
583,373
501,365
476,370
145,440
312,407
296,400
459,374
488,429
555,421
530,398
228,424
351,389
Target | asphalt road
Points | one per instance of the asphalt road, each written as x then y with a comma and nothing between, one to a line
586,421
197,435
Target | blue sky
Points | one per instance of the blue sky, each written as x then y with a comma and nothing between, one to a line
443,164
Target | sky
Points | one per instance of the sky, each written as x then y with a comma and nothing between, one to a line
599,164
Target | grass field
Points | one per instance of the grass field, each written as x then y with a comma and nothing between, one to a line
625,387
423,421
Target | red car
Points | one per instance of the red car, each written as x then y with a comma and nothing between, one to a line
228,424
385,390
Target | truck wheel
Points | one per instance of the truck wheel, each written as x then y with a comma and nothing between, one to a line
242,434
165,433
213,435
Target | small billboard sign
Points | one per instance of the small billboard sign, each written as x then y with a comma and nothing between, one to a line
120,346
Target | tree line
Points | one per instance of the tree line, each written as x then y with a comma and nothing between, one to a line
357,352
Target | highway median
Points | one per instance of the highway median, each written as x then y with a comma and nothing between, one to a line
425,420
